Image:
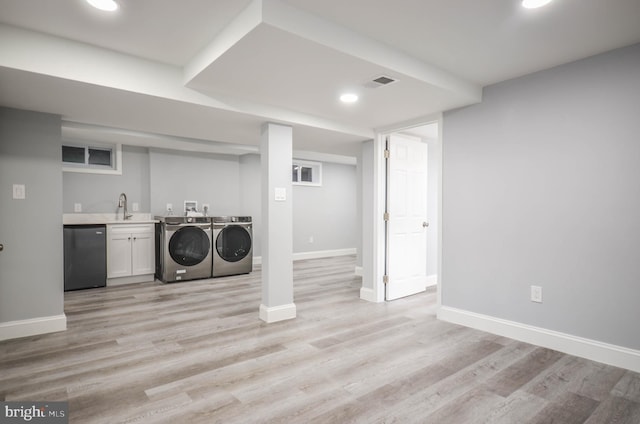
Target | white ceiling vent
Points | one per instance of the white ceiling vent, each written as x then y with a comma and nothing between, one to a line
380,81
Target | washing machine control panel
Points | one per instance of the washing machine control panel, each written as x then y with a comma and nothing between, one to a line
223,219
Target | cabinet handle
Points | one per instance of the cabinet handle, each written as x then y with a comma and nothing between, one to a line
129,238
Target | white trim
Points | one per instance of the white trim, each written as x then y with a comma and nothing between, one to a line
277,313
32,327
578,346
317,254
358,271
370,295
131,279
379,196
324,254
316,176
432,280
88,169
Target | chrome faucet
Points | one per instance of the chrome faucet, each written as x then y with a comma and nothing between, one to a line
122,203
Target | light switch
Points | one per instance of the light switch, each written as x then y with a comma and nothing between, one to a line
280,194
19,191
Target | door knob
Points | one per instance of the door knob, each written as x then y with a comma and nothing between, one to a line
425,224
1,247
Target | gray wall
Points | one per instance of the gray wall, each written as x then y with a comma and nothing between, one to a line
541,186
250,199
326,213
359,211
31,265
368,214
207,178
230,185
99,193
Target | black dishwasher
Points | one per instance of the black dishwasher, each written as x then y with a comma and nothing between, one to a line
85,256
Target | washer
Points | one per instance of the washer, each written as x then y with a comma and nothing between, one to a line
232,245
183,248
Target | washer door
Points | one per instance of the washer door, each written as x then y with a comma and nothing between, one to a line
233,243
189,246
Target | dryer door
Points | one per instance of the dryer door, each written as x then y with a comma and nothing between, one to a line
189,246
233,243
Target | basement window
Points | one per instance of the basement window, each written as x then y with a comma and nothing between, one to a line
306,173
93,158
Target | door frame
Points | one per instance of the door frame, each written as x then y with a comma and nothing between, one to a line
379,197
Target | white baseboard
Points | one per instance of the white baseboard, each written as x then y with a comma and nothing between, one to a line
130,280
369,295
32,327
257,260
323,254
578,346
432,280
277,313
358,271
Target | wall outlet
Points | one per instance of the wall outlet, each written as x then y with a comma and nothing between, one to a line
169,207
536,294
77,207
135,207
19,191
310,239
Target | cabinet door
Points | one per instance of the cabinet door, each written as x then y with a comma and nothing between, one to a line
143,259
119,255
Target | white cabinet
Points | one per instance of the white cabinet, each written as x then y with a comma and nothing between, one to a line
130,251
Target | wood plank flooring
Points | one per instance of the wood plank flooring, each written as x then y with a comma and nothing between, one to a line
196,352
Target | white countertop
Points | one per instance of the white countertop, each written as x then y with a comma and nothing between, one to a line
105,218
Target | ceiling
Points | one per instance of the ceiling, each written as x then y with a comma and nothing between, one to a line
211,72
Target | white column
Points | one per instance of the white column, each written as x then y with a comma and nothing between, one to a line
277,224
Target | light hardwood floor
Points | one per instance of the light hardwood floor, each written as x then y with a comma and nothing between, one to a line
196,352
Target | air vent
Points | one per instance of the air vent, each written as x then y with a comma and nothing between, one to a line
379,81
384,80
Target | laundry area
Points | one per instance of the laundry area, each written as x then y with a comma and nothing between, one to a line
172,216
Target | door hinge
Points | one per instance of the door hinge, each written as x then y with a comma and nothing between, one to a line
385,279
386,154
385,216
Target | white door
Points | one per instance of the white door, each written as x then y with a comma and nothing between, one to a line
407,222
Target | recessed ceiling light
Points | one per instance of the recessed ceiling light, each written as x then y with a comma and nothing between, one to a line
533,4
349,98
106,5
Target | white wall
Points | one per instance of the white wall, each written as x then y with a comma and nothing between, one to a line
541,186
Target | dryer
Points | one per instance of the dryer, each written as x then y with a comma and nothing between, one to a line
232,245
183,248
